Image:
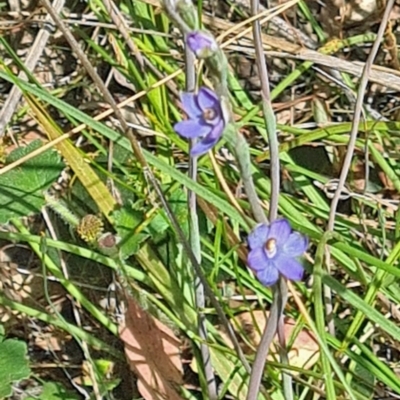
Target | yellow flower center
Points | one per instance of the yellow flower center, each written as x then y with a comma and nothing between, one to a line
270,246
209,114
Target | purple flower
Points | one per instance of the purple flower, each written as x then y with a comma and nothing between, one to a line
273,251
201,43
205,120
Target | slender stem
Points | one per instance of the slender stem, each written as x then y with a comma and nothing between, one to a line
320,312
270,122
275,323
240,148
194,240
283,353
169,6
269,116
263,348
243,158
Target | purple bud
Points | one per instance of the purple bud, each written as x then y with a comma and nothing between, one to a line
201,43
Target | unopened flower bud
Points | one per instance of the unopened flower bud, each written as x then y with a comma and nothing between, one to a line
202,44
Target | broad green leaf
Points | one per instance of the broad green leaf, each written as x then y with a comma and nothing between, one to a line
13,365
21,189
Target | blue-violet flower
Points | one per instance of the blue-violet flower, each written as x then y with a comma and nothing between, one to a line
201,43
273,251
205,121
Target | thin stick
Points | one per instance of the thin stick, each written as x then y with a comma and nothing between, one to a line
269,115
263,348
225,186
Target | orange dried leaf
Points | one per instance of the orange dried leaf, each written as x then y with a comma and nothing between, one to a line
303,353
152,350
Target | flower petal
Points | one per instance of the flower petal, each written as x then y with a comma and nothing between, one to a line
268,276
296,245
202,147
206,98
209,141
289,268
216,131
280,231
258,236
190,105
257,260
192,129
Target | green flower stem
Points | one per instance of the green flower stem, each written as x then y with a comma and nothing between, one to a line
280,291
241,151
270,123
194,240
176,17
218,67
263,347
282,294
62,210
320,313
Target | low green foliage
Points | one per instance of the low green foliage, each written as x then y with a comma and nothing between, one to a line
22,188
54,391
14,363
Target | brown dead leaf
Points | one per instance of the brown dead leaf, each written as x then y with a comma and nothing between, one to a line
152,350
304,351
49,341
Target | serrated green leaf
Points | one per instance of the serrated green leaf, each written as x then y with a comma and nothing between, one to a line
21,189
13,365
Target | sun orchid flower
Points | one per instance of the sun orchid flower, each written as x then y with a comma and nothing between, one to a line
201,43
274,250
205,121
